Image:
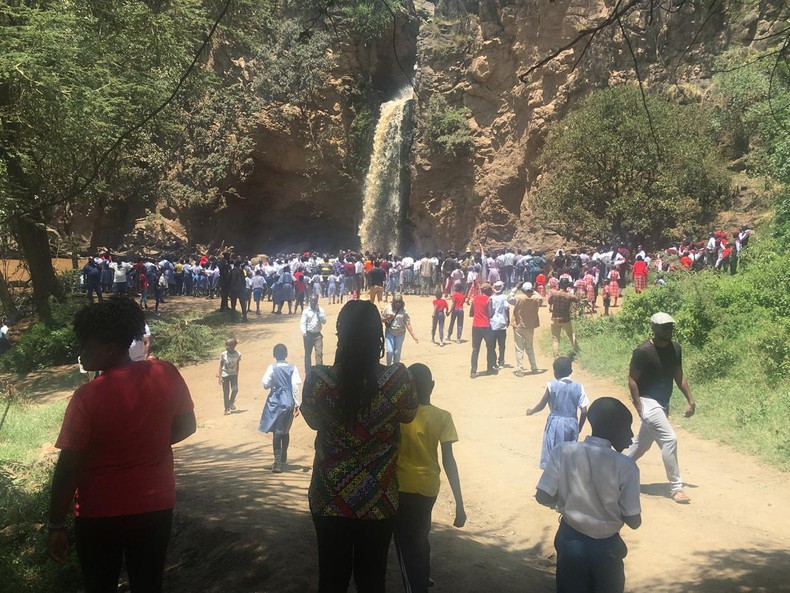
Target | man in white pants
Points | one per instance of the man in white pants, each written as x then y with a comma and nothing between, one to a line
655,365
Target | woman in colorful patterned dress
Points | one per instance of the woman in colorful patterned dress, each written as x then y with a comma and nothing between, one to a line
356,406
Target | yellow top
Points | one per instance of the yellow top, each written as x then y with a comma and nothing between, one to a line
418,457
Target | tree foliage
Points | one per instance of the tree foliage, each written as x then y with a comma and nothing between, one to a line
447,128
610,173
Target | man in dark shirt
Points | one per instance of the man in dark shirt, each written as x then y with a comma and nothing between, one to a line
92,276
655,365
376,278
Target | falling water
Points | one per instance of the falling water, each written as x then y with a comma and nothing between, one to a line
380,227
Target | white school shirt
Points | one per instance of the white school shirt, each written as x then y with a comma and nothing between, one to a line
595,486
296,380
137,347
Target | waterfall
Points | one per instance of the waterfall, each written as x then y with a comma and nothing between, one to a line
381,205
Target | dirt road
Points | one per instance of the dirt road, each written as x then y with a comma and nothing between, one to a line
243,529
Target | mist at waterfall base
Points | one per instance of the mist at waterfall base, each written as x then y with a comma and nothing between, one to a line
381,224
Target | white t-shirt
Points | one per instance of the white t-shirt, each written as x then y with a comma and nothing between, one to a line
137,347
230,363
595,486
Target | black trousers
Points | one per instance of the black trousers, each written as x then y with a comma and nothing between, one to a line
499,338
412,526
478,335
357,546
242,299
141,540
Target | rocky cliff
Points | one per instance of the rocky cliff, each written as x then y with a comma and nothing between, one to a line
305,190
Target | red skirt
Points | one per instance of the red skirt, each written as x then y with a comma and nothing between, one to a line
640,283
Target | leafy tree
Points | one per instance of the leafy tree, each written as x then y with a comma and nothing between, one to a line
447,128
609,172
74,77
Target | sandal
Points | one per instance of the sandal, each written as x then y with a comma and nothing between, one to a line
680,497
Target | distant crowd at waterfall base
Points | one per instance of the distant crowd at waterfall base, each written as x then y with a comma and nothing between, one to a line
293,278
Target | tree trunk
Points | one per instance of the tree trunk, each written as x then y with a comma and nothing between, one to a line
32,238
9,307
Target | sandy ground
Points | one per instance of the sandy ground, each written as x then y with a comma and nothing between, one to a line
241,528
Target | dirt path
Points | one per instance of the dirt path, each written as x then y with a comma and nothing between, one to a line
243,529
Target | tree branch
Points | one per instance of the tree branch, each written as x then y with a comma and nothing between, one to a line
127,134
641,87
619,10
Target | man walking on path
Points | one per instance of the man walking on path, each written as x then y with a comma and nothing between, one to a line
525,319
481,330
499,315
313,319
560,302
655,364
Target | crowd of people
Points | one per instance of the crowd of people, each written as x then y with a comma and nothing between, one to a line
376,464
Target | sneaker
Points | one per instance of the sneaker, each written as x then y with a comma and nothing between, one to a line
519,373
277,467
233,408
227,412
473,375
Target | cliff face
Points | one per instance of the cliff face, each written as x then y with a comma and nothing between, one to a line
306,188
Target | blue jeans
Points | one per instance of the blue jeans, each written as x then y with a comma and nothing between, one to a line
392,346
588,565
456,317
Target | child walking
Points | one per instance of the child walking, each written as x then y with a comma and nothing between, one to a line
418,479
589,548
282,405
440,311
564,396
228,374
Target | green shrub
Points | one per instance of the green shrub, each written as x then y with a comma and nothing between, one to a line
774,349
43,345
447,128
181,341
369,19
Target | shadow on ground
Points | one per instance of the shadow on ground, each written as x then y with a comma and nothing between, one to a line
735,571
241,528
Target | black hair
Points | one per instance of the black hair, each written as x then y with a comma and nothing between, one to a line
606,413
423,380
438,293
564,283
563,367
118,320
280,352
360,346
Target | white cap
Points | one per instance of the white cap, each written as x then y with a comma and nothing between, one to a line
526,287
661,319
498,286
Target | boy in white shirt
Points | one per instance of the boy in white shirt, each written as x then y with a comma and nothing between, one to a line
596,490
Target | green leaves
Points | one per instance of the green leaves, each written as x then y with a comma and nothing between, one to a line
447,128
605,176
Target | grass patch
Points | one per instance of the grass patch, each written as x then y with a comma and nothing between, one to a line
27,428
24,498
736,354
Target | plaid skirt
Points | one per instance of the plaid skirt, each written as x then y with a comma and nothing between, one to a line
640,283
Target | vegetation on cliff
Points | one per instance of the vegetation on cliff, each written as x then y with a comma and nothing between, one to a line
639,172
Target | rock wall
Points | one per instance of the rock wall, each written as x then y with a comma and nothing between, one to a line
306,188
488,196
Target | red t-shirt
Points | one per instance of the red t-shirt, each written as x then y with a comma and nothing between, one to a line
458,300
480,304
640,268
122,423
439,305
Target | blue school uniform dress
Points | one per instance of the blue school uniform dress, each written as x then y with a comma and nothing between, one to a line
562,425
278,411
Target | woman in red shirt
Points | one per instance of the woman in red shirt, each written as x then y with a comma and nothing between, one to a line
115,453
640,274
440,311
